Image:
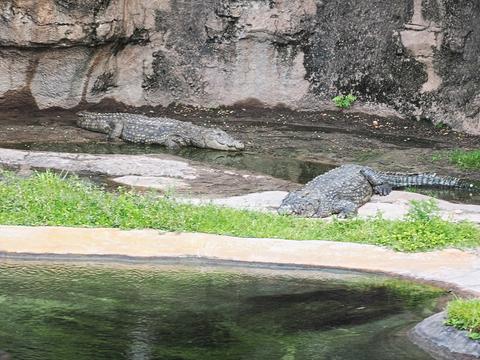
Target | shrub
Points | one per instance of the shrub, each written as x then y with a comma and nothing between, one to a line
344,101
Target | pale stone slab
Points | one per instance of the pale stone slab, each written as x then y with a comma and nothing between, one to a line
152,182
262,201
111,165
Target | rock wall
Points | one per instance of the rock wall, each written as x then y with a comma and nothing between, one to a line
417,57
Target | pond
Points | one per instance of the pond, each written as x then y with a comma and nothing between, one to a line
168,311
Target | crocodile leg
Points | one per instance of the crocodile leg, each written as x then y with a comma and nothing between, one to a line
379,186
345,209
175,142
383,189
116,129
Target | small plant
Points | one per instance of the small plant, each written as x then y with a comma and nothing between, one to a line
465,315
441,126
423,210
344,101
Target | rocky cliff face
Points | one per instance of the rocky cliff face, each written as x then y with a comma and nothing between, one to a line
418,57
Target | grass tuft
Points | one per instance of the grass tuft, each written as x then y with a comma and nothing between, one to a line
466,159
465,315
48,199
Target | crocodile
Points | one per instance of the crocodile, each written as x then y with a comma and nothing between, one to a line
343,190
141,129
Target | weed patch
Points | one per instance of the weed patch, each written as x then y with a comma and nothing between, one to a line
466,159
344,101
465,315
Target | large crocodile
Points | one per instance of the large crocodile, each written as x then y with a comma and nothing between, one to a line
171,133
344,189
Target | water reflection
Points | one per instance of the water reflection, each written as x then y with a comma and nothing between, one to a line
72,311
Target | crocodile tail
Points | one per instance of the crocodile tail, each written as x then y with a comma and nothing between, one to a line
426,179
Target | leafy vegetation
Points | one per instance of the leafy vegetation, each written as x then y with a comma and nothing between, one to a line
53,200
464,159
423,210
344,101
469,160
465,315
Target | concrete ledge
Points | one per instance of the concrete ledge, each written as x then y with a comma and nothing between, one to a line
444,342
451,267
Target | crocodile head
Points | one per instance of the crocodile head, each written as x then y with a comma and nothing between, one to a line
301,205
295,204
219,140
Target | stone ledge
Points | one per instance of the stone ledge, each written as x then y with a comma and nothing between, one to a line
444,342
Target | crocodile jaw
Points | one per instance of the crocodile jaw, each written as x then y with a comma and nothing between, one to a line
219,140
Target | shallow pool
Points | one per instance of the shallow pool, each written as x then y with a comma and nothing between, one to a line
164,311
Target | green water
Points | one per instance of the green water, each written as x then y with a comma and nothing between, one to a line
86,311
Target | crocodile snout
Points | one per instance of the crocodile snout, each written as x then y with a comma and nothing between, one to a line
285,210
238,146
225,142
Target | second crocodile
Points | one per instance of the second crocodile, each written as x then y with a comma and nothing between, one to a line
171,133
344,189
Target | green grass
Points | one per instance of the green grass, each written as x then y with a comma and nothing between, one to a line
463,159
52,200
465,315
468,160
